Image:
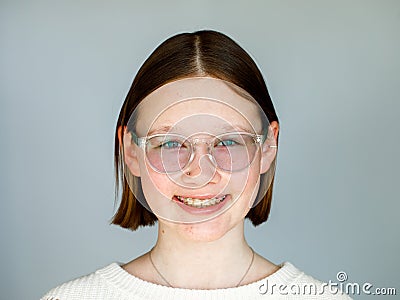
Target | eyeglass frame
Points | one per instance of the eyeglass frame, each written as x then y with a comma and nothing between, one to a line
142,141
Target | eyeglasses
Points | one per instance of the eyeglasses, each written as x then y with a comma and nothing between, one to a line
170,153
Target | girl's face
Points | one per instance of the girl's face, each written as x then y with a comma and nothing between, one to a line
200,164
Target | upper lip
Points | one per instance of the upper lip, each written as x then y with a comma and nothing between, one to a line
204,196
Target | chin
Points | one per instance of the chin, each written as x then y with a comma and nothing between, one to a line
208,231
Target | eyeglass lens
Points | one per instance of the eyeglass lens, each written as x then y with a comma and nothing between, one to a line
171,153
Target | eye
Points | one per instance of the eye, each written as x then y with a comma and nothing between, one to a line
226,143
171,145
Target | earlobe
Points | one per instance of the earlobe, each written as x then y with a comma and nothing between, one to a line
269,147
129,151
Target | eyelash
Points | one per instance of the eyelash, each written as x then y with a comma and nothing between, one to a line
164,144
222,143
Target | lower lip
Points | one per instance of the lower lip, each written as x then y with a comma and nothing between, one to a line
202,210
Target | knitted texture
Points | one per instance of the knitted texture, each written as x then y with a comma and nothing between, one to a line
113,282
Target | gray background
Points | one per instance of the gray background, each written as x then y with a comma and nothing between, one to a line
332,68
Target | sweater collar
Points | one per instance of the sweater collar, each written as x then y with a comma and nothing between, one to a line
132,285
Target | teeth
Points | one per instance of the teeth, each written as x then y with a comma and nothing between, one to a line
200,203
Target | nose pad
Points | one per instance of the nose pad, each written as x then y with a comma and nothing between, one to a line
210,158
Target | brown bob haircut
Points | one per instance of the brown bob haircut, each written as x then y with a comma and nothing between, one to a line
201,53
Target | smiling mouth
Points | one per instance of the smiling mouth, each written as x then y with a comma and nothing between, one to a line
200,203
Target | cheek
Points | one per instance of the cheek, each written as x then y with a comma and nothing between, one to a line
158,192
246,181
246,198
156,185
253,183
152,181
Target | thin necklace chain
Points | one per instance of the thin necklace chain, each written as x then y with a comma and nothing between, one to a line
170,285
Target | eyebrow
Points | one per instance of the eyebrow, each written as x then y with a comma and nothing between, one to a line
237,128
229,128
161,129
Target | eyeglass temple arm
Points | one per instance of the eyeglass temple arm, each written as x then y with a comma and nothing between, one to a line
137,140
261,138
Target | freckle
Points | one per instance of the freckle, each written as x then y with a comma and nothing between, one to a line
162,230
189,229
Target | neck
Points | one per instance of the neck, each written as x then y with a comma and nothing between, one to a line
188,263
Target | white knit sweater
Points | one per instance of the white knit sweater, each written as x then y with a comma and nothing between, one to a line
112,283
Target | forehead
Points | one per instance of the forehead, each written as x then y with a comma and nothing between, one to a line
197,105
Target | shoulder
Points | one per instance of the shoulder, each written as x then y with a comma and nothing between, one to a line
290,282
312,286
91,286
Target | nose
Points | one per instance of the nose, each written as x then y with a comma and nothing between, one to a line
201,170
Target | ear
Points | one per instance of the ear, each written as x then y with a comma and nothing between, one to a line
129,150
269,147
